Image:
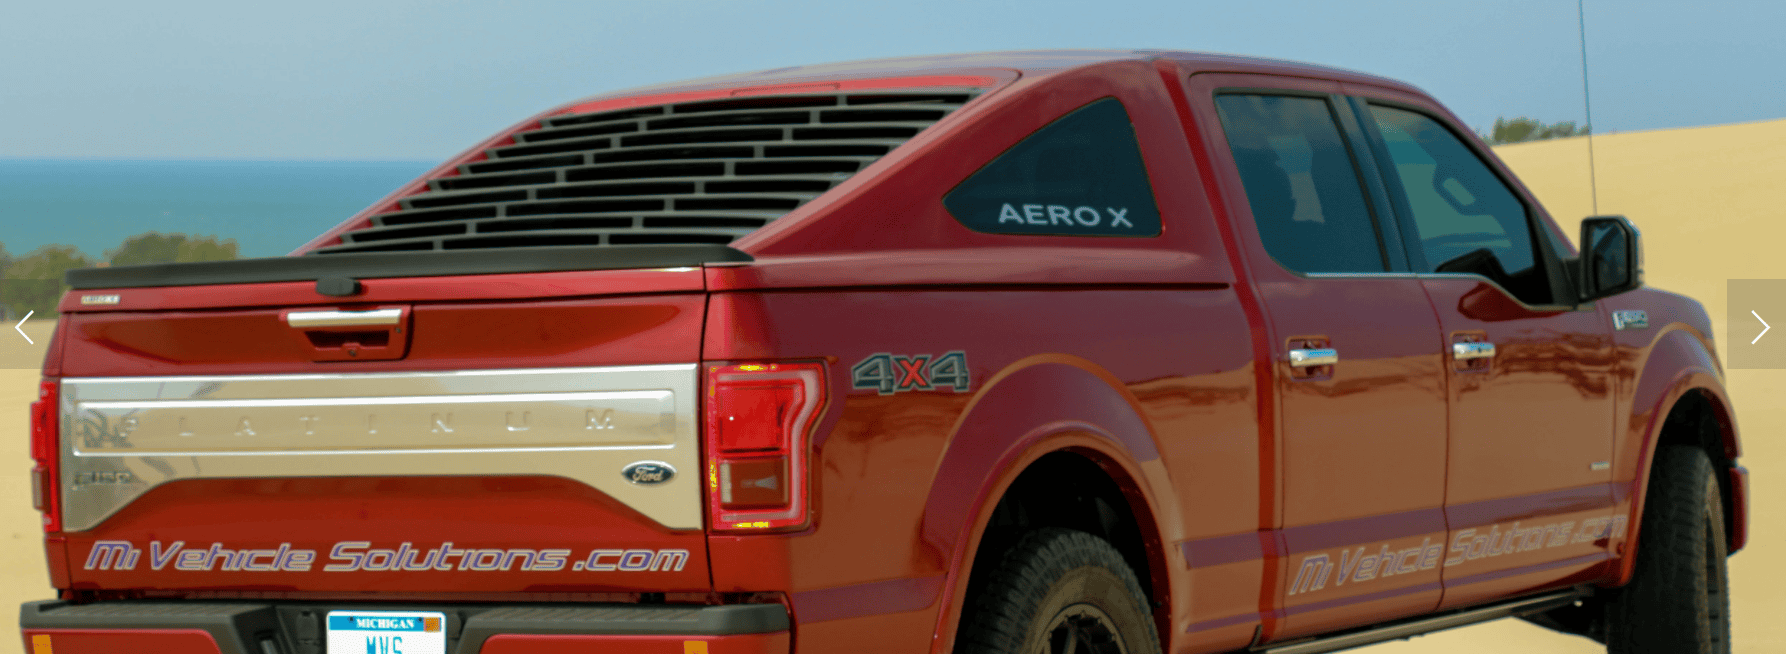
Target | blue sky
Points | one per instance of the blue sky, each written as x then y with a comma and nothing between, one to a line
419,81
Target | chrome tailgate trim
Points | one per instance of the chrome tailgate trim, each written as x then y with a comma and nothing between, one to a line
122,437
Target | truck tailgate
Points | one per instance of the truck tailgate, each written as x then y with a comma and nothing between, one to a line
479,447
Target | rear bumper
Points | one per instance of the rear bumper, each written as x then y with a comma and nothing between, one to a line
297,628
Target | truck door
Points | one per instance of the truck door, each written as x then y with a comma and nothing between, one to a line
1528,490
1357,375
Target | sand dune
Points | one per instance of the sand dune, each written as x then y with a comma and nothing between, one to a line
1711,208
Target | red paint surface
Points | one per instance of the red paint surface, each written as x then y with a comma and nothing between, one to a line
1206,141
1551,375
112,641
774,643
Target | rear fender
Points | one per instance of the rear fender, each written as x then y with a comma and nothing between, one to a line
1035,406
1678,364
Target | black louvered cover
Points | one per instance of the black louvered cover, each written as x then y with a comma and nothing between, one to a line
694,172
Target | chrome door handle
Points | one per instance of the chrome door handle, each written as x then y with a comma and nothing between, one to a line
1313,357
1469,351
344,318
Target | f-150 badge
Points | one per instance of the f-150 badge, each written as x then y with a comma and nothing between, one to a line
887,374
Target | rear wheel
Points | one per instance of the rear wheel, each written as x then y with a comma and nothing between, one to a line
1059,591
1677,601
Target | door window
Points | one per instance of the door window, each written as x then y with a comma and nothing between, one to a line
1465,218
1300,180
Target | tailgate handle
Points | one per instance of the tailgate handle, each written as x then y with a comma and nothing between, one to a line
380,334
376,317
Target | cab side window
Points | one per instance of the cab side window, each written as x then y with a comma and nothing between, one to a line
1465,218
1303,187
1081,175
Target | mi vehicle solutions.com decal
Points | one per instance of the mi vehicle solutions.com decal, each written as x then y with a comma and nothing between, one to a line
360,556
1315,570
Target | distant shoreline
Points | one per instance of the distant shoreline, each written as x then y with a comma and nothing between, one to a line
269,207
426,162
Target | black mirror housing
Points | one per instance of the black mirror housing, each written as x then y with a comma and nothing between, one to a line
1611,257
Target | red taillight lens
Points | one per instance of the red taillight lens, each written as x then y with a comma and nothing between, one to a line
758,419
44,480
754,414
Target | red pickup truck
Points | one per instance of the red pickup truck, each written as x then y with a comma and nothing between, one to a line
1133,351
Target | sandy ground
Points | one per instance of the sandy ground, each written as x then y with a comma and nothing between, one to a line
1711,207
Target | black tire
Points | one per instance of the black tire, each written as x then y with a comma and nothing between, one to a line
1057,591
1678,600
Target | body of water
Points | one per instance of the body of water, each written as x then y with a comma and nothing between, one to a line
268,207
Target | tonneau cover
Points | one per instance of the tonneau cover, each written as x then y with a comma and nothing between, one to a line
403,264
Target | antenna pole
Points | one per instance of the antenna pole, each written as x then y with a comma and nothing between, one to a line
1587,106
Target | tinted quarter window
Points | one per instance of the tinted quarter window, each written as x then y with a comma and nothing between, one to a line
1466,219
1301,183
1081,175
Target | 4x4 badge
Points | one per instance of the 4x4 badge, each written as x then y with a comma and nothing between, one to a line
887,374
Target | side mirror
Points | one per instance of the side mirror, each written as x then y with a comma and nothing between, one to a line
1611,257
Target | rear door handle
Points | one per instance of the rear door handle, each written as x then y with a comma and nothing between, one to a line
1307,358
1468,351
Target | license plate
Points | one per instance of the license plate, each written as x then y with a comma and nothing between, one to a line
387,632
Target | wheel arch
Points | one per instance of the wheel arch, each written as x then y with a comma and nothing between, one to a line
1680,399
1046,412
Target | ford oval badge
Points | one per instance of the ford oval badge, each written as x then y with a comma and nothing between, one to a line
648,472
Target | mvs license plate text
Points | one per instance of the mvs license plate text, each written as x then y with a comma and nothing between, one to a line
387,632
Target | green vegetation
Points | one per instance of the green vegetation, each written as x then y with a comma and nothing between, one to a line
170,248
34,281
1522,129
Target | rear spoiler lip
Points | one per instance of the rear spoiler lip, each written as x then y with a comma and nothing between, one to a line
373,265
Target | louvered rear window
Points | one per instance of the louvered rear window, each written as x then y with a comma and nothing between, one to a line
695,172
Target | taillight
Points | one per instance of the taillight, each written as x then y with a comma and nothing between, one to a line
44,448
758,419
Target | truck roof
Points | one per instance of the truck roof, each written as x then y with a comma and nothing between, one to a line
1026,62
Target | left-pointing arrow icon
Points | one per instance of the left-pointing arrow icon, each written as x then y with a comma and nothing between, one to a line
1764,327
21,327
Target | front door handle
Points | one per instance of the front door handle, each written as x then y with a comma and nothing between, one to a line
1469,351
1308,358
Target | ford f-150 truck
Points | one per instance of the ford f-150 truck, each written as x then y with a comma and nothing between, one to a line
1134,351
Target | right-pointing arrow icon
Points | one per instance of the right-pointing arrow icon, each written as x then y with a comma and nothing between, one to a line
21,327
1764,327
